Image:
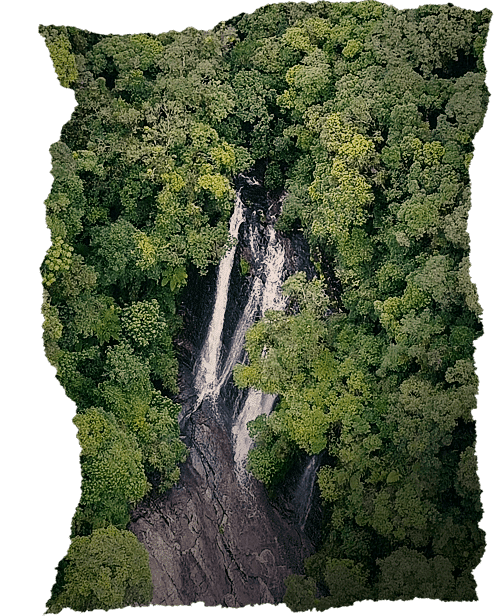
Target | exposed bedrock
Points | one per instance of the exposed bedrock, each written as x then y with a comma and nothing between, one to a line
216,537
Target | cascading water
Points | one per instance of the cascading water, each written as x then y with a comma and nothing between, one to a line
207,365
256,402
304,491
215,537
266,294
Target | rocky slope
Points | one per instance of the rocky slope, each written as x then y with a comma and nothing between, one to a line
216,537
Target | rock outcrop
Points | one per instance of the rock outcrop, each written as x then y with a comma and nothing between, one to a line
216,537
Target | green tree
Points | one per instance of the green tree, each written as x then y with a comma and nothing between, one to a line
112,471
107,570
346,581
407,574
301,593
63,60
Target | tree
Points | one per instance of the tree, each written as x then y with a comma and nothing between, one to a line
407,574
52,330
106,570
150,335
63,59
301,593
346,581
112,471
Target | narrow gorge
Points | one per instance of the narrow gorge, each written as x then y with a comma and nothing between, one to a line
216,537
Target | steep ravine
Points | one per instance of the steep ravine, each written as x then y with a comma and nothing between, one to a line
216,537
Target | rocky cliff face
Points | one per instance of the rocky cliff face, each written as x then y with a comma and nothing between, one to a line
216,537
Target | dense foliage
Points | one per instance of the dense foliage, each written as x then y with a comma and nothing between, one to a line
109,569
383,106
365,115
141,194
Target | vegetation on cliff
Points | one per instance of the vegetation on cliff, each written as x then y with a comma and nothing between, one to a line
365,115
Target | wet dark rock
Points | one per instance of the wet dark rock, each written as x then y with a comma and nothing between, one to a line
213,539
216,537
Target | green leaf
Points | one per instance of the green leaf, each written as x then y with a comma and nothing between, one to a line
393,477
355,481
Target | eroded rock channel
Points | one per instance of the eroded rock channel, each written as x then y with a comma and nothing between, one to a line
216,537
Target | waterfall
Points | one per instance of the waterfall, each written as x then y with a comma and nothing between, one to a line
304,491
215,537
207,365
274,269
271,298
256,403
262,297
211,374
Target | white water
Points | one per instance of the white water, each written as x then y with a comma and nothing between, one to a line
265,294
256,402
304,492
207,367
